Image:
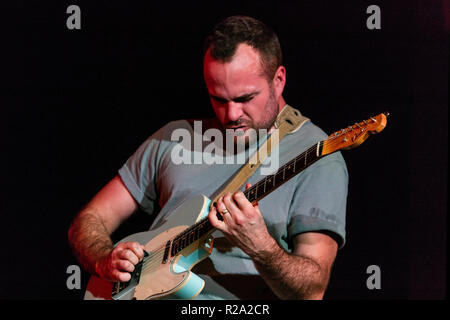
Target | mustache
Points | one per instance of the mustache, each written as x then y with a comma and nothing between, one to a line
235,123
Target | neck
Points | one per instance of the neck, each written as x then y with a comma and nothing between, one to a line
281,104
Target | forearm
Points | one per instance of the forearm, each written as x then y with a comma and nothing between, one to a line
89,239
291,276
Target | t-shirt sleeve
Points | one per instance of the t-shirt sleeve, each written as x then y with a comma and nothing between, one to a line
139,173
320,199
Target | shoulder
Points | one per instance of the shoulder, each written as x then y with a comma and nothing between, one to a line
309,133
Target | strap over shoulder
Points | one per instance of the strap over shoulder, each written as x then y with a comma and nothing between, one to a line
290,119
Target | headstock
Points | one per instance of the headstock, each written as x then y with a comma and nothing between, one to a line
354,135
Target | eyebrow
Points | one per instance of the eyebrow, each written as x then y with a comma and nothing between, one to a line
236,99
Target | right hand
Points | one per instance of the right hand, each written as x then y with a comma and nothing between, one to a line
120,262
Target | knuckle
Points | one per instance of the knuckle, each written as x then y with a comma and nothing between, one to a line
136,246
121,246
127,266
239,221
124,254
220,206
238,194
122,276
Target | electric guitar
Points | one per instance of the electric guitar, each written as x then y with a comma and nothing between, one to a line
172,249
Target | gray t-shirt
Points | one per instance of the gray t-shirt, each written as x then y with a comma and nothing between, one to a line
314,200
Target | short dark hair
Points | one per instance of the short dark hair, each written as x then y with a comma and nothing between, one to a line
229,33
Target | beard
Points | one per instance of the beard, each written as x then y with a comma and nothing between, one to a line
261,128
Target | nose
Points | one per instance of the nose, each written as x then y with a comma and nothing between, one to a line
233,111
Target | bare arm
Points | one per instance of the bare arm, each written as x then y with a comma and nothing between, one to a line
89,234
302,274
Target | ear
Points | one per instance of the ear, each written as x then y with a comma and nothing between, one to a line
279,80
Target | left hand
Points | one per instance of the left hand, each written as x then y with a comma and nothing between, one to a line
243,224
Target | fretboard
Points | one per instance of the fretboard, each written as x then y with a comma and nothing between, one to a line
255,193
265,186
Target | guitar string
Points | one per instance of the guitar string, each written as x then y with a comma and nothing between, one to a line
156,258
157,255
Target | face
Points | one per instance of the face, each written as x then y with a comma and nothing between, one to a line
241,95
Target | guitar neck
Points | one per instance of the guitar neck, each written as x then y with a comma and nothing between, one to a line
265,186
255,193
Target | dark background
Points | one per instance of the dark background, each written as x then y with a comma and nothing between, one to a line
77,103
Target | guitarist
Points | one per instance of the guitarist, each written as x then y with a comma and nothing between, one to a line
284,246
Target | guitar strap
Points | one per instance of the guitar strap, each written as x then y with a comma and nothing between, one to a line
288,121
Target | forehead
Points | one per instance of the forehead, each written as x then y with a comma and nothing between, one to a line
243,72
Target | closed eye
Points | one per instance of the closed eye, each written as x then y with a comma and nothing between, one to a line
241,99
219,100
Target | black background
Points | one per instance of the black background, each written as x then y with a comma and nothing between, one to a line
77,103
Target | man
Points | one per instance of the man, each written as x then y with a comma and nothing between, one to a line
283,247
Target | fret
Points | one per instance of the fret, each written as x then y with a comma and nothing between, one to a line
198,229
174,247
276,174
188,237
290,171
202,228
207,227
249,196
252,192
166,252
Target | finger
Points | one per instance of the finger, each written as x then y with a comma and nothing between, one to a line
214,220
124,265
124,249
137,249
236,215
247,186
229,203
241,201
120,276
221,207
128,255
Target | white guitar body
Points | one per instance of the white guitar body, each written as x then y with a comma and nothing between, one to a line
161,274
